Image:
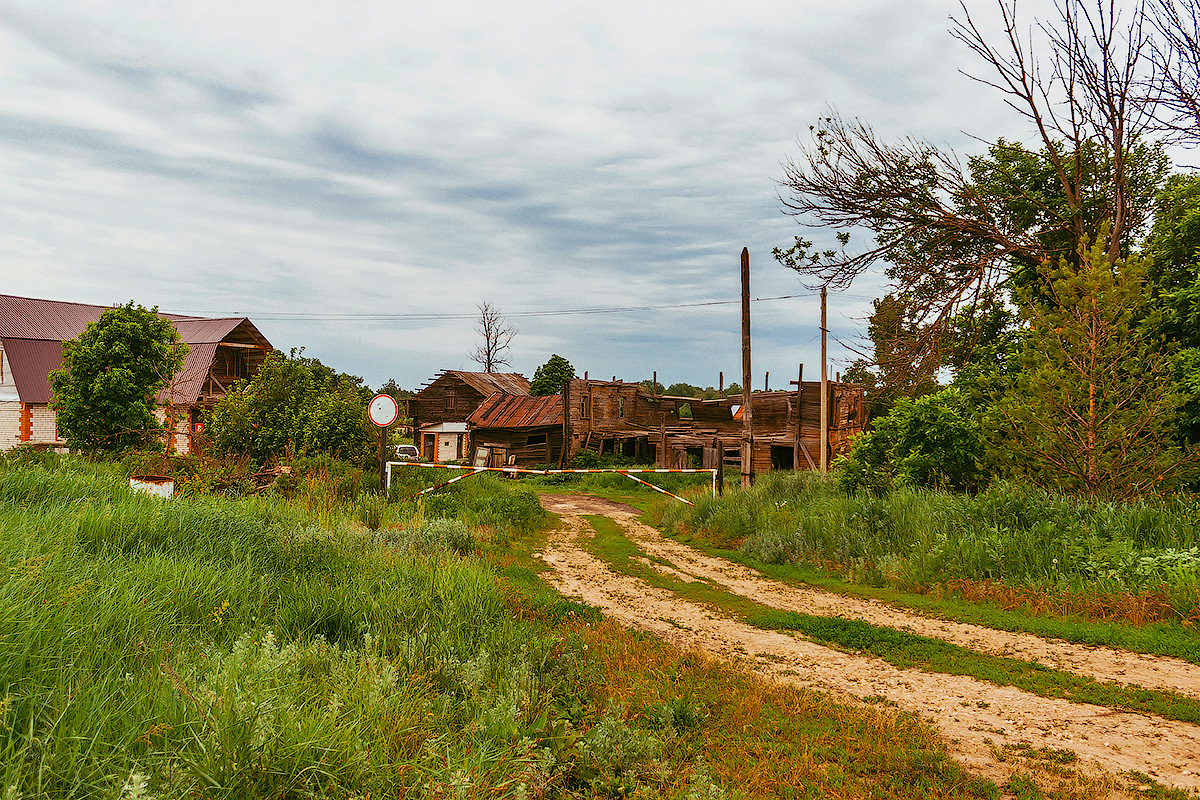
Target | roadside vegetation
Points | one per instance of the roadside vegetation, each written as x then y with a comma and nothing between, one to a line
307,641
1015,557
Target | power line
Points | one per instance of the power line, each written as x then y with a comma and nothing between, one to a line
434,316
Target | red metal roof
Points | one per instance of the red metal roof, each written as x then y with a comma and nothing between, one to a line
502,410
190,380
29,318
32,332
31,361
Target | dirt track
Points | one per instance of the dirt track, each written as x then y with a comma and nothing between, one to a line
975,717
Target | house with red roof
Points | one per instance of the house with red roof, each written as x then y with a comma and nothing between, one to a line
220,353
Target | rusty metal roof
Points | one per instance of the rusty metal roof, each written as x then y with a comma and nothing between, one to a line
190,381
31,361
488,382
502,410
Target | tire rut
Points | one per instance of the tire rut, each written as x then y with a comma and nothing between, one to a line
976,718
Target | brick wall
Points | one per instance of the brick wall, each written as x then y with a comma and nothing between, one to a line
10,425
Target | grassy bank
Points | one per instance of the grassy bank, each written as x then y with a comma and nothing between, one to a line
1013,558
313,643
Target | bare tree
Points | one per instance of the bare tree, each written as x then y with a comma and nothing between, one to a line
1175,89
951,237
497,334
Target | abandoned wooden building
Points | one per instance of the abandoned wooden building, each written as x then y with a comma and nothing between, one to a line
510,430
220,352
680,432
458,421
441,409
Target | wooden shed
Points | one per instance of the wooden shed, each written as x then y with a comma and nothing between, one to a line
441,409
517,430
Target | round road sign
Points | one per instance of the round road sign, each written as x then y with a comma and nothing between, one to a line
383,410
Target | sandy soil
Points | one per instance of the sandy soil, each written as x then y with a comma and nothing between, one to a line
976,718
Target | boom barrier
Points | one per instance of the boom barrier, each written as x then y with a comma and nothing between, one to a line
469,471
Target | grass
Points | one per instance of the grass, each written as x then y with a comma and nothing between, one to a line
900,648
1126,575
300,643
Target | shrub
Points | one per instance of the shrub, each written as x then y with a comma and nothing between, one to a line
932,442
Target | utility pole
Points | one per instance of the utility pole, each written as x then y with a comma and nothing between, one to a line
824,393
799,418
747,411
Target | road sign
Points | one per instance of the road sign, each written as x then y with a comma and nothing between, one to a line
383,410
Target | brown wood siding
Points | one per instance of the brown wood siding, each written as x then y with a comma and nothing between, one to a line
430,402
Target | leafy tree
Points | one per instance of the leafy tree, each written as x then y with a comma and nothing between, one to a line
684,390
551,377
1094,407
294,406
652,387
930,442
104,394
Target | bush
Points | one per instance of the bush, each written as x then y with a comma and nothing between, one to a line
932,442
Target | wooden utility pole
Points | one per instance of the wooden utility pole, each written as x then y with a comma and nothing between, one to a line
799,418
747,410
824,393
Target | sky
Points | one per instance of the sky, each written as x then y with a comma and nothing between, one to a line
356,177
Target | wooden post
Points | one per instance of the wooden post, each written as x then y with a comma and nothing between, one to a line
767,383
799,418
747,409
824,393
654,384
566,396
663,460
720,467
721,383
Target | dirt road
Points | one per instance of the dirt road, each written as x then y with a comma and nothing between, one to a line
976,718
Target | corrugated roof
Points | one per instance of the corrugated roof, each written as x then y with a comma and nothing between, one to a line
488,382
33,331
31,361
190,380
203,331
29,318
502,410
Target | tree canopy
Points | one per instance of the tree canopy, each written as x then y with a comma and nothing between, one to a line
294,406
551,376
104,394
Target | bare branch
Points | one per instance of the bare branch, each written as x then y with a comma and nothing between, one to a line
497,335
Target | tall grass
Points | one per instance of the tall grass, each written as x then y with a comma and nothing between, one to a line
239,647
1012,536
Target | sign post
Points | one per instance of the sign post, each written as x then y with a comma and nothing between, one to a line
383,411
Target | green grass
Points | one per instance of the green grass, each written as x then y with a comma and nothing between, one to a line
1122,575
900,648
909,650
1161,638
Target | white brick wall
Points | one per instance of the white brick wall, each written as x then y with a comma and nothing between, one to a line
10,424
181,443
43,429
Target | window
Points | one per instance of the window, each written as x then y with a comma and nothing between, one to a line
451,399
621,407
536,438
583,407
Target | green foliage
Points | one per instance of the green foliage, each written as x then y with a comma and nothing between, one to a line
104,394
1094,406
294,406
1017,536
551,377
932,442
